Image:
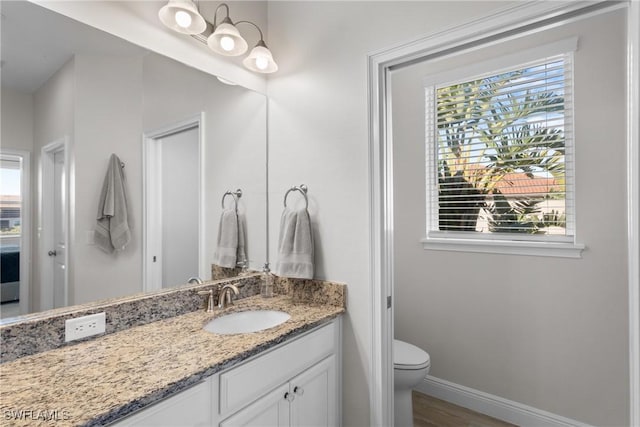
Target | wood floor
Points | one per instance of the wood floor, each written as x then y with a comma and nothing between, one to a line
431,412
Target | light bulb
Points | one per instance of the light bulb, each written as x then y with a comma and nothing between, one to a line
183,19
262,62
227,43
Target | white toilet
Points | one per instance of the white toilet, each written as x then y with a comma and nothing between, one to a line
410,365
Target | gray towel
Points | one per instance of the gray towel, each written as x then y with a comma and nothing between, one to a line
241,253
227,248
112,228
295,245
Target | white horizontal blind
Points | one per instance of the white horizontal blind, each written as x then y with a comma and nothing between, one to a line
500,153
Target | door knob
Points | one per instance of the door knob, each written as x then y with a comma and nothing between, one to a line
52,253
289,397
298,390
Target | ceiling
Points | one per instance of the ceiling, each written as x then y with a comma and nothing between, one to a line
36,42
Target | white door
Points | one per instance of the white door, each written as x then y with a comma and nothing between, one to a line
271,410
180,213
58,251
315,396
53,226
173,205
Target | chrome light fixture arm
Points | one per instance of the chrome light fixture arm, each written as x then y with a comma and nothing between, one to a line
256,27
225,20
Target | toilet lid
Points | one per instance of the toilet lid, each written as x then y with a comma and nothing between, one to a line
408,356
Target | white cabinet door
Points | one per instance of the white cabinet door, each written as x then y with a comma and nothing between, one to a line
303,376
249,381
272,410
315,394
189,408
307,400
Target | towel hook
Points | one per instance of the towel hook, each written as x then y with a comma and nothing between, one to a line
302,189
235,194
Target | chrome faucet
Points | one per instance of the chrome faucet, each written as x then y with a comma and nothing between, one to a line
224,297
210,300
195,280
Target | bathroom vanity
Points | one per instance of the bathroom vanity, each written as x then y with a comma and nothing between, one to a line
172,372
294,383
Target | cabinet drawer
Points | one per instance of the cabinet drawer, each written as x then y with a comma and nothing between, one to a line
255,378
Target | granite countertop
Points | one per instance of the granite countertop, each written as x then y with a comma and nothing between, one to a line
100,380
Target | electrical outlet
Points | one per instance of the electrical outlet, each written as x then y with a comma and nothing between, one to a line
85,326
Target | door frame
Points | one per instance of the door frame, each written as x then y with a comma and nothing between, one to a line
25,226
502,23
152,198
45,220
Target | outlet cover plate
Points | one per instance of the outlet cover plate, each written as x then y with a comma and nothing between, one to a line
85,326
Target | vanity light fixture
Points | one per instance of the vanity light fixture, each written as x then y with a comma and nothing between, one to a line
224,38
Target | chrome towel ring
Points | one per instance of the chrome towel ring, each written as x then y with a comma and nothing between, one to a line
302,189
235,194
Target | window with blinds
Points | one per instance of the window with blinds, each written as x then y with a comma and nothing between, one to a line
500,158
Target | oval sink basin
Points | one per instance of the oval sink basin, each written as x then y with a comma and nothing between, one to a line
246,321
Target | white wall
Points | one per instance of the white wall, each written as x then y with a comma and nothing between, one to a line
547,332
319,136
107,120
17,120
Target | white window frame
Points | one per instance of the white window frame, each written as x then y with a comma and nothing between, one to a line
500,243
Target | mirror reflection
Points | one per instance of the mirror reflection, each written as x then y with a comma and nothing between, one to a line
71,97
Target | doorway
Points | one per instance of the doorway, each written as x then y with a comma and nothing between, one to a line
381,66
54,225
173,205
15,248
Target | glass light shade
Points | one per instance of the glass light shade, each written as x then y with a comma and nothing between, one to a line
182,16
260,60
226,40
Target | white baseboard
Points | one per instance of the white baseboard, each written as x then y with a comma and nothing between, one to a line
493,406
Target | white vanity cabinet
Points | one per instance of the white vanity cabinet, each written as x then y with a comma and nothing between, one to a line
306,400
191,407
297,383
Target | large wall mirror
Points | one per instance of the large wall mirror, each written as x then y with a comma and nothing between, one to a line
72,96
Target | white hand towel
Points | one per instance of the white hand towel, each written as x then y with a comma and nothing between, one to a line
295,245
112,228
227,248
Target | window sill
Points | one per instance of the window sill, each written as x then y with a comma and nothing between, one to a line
505,247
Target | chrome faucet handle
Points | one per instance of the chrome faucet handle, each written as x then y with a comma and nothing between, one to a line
210,304
225,297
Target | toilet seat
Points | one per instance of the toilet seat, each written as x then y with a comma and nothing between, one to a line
408,357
